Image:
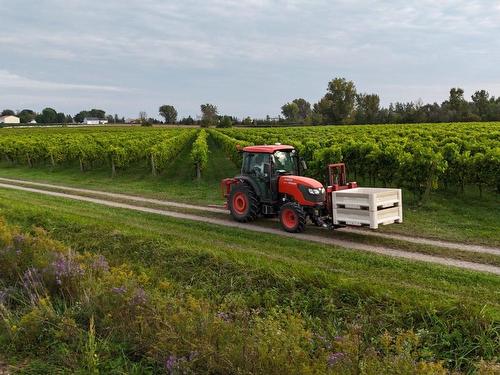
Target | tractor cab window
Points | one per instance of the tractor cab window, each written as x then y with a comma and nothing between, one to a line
254,164
285,162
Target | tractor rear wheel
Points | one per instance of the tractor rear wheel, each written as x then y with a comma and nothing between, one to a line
292,217
243,203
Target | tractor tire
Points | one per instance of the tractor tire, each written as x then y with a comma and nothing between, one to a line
243,203
292,217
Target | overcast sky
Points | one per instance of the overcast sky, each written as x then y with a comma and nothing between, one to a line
246,56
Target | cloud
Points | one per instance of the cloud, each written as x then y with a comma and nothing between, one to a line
10,80
191,50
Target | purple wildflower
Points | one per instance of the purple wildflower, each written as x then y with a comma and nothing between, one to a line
333,358
119,290
65,267
224,316
100,264
172,363
139,298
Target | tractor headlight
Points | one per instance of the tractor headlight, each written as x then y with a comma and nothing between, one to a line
314,191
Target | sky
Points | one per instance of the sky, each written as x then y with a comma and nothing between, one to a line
248,57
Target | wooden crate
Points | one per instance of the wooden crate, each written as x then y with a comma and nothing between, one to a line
367,206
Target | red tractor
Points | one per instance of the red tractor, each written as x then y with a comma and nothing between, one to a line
271,183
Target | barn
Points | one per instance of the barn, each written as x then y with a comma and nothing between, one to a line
9,119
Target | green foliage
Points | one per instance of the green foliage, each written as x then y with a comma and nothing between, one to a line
225,122
208,115
169,113
229,145
165,151
421,158
199,152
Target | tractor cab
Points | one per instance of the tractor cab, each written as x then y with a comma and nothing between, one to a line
263,165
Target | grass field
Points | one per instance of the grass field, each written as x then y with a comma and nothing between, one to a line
329,287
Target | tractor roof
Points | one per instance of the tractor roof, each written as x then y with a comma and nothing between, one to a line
271,149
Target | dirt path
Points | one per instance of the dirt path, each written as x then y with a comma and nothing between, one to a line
256,228
135,198
428,241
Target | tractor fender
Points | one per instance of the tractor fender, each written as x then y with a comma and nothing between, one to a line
250,182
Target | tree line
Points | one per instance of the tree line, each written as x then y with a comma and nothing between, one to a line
341,104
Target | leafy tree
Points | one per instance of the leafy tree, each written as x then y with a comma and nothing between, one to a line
80,116
187,121
61,118
304,108
247,121
367,108
290,111
169,113
48,116
208,114
337,105
8,112
99,113
225,122
481,103
26,115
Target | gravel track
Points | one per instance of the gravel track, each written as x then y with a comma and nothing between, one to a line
418,240
250,227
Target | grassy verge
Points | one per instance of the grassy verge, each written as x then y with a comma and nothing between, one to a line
456,313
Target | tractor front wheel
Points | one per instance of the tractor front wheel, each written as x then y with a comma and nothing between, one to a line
292,217
243,203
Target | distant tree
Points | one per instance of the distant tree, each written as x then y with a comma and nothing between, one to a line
337,106
481,102
208,115
98,113
116,119
304,108
143,115
290,111
61,118
8,112
69,119
48,116
80,116
367,108
110,119
169,113
225,122
26,115
247,121
187,121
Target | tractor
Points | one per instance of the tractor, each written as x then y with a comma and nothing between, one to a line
271,183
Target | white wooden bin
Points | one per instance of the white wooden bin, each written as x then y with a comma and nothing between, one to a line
367,206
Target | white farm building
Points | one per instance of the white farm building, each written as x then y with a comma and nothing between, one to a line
9,119
94,121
